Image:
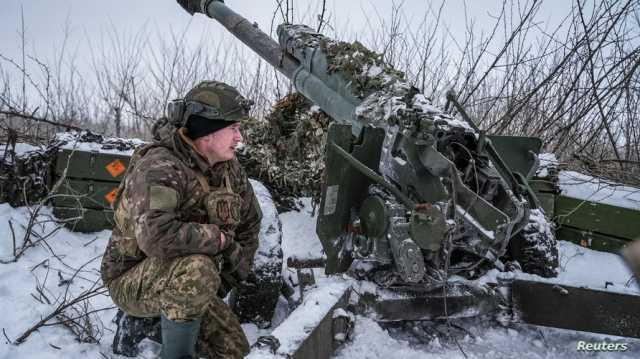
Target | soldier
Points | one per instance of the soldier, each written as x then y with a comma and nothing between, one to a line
186,216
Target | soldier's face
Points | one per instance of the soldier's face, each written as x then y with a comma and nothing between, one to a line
221,145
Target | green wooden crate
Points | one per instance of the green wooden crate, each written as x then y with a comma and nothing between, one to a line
598,226
596,241
598,217
90,220
91,165
86,193
90,185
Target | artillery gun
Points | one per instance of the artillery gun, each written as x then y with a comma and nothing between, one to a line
412,191
412,196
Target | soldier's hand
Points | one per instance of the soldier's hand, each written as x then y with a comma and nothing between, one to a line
243,270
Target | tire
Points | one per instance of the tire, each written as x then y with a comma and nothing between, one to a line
256,299
535,246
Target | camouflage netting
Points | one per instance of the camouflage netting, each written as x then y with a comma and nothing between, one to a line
365,68
286,151
23,176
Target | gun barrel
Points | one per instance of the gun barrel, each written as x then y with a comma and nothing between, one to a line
253,37
307,83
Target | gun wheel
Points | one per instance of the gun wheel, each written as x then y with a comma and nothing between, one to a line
535,247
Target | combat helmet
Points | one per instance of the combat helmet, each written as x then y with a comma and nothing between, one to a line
210,105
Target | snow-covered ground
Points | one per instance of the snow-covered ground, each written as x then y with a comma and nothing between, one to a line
63,265
474,338
67,263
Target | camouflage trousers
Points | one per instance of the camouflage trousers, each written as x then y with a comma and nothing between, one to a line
183,288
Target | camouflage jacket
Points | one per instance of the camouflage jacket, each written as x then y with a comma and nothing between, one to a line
160,209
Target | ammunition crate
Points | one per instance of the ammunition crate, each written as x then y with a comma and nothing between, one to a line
595,225
85,219
90,185
86,193
91,165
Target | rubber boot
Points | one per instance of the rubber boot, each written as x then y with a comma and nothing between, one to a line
179,338
130,331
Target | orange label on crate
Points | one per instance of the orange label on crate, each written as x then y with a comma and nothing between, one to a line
111,196
115,168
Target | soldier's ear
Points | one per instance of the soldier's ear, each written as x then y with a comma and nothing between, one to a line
208,139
